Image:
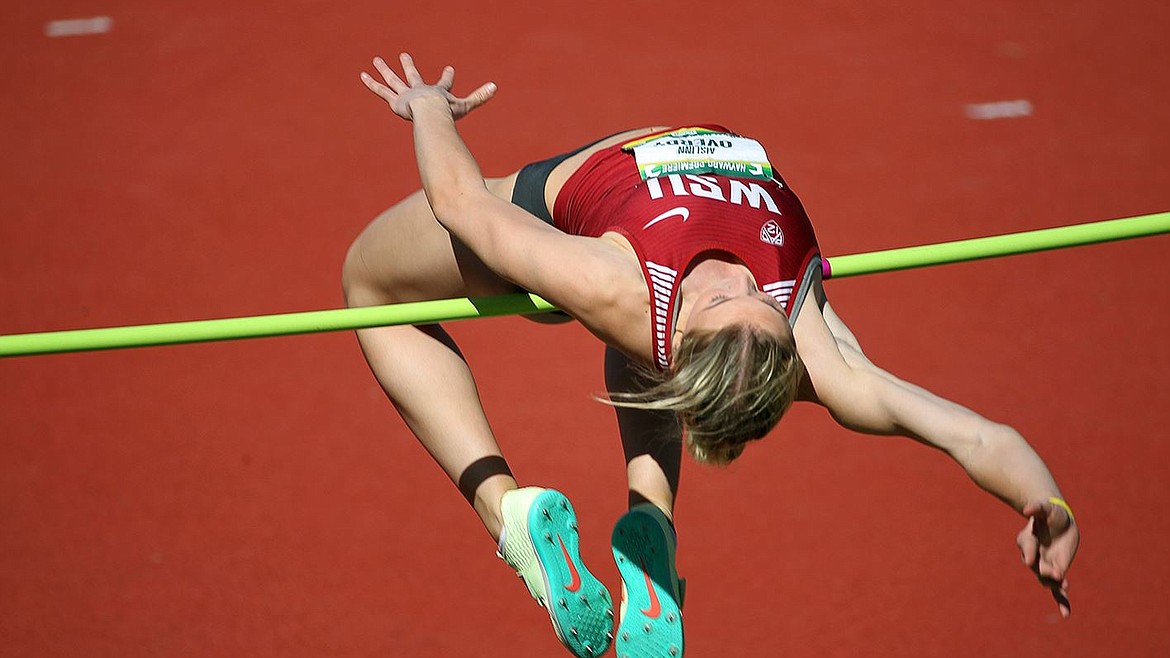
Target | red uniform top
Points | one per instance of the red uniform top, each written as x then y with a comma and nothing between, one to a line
673,219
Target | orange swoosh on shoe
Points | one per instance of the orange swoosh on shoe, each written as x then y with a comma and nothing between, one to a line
575,583
655,608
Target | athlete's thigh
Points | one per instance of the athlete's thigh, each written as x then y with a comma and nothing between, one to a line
405,255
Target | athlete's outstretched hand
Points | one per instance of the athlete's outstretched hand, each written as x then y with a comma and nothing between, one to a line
399,94
1048,544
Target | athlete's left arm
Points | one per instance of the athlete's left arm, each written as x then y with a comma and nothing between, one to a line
575,273
865,398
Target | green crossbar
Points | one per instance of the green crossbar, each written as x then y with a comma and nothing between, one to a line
287,324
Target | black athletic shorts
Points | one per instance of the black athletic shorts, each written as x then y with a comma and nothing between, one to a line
530,182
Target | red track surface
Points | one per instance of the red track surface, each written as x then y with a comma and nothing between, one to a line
260,498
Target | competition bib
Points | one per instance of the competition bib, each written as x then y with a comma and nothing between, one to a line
700,151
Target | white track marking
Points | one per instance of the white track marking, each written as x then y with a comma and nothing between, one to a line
74,27
999,110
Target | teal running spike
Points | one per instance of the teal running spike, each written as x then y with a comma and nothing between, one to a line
540,542
651,624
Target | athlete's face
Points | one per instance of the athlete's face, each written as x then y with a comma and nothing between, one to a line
738,301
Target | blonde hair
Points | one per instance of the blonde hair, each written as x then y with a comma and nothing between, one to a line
727,387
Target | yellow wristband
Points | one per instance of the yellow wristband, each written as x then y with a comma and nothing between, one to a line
1059,502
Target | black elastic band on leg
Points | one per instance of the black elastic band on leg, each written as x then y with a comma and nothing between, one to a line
479,471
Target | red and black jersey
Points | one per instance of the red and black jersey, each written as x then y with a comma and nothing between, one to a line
671,220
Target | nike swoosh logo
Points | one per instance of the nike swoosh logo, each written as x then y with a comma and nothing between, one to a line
575,582
681,211
655,608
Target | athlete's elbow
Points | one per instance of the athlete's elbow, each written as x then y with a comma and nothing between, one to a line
443,200
989,442
993,435
457,197
451,206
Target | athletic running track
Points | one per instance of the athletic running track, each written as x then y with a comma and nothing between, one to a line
173,161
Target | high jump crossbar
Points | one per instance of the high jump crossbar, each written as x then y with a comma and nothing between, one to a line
287,324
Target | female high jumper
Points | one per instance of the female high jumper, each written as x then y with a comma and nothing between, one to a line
688,255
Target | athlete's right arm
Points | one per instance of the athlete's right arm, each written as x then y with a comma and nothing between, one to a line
865,398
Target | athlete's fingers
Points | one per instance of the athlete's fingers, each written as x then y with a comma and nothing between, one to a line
385,93
1060,594
392,80
483,94
1048,567
447,80
410,71
1029,545
1059,589
1057,586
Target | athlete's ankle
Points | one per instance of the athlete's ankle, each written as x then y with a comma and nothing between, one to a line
487,503
663,503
